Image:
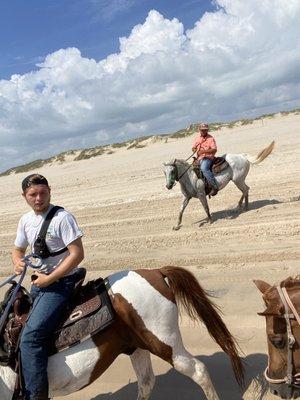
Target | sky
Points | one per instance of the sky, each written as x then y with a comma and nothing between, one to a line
83,73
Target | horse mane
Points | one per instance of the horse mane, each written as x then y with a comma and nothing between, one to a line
181,162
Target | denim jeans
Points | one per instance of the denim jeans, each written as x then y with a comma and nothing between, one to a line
205,165
46,313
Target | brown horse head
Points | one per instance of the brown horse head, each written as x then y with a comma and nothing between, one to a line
283,336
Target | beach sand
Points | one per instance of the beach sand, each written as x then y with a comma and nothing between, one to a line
126,213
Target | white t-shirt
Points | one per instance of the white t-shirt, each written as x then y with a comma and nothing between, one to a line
62,231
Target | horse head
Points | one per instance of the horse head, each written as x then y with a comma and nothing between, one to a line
171,173
283,336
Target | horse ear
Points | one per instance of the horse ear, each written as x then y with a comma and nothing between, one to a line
261,285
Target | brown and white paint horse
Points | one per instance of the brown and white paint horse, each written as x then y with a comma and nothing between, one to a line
145,302
283,336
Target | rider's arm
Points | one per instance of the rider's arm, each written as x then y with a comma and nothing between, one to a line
196,145
20,246
18,254
210,147
207,151
71,261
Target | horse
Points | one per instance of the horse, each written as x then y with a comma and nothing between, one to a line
191,186
146,306
283,333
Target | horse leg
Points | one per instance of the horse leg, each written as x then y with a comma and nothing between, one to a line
188,365
183,207
203,200
142,366
241,185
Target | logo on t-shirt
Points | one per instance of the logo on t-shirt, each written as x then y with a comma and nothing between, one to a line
50,232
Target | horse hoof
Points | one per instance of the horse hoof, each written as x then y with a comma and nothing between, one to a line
176,228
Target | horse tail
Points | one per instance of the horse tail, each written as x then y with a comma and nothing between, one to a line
194,300
263,154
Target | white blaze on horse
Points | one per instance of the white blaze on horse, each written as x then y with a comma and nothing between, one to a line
146,305
191,186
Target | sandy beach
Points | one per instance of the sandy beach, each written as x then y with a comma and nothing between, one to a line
127,215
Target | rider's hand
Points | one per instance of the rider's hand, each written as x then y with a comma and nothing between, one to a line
19,267
42,280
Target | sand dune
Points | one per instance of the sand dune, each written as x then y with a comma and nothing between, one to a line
127,215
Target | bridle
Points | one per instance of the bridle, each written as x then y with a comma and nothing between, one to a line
293,381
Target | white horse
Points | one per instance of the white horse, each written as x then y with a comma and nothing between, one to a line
145,302
192,186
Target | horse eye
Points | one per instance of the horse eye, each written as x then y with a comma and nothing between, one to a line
277,341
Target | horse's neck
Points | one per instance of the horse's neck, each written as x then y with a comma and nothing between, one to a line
7,383
185,171
182,166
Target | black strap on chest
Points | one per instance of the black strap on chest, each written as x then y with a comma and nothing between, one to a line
40,247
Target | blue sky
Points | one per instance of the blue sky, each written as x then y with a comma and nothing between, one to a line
31,29
84,73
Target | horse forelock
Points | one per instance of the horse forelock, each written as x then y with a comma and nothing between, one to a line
291,281
272,297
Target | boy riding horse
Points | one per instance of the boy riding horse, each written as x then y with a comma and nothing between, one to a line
51,288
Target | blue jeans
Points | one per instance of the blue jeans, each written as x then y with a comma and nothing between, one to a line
45,315
205,165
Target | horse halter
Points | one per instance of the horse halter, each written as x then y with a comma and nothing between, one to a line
290,379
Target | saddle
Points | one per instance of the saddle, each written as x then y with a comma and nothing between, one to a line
89,312
218,165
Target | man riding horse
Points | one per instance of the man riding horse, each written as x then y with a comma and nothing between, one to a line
205,147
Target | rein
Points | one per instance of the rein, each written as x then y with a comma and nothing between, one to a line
289,379
179,177
8,280
12,299
29,262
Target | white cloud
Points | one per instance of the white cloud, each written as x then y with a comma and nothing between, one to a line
242,58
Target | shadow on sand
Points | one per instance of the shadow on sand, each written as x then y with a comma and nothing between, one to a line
175,386
235,212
